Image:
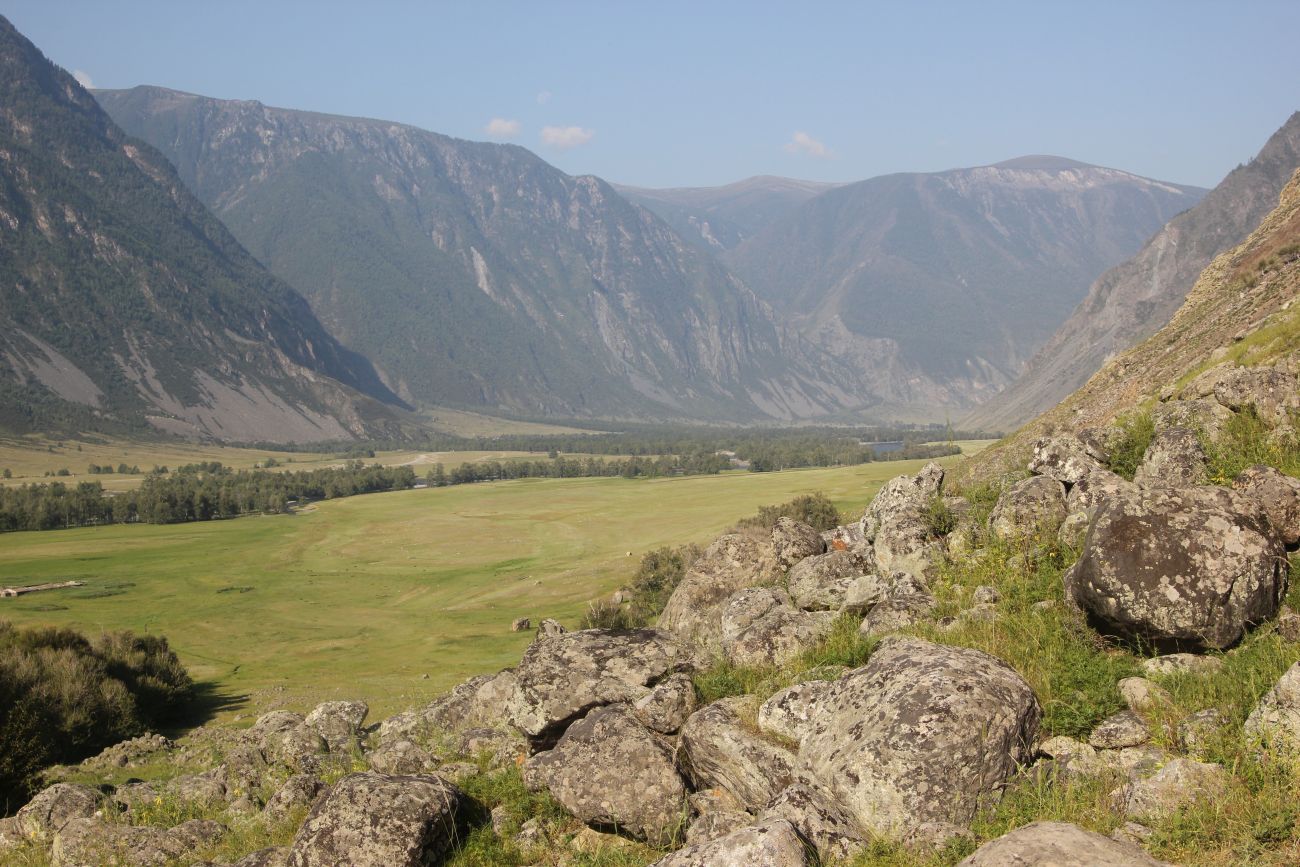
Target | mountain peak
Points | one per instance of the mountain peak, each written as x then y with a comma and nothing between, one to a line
1042,163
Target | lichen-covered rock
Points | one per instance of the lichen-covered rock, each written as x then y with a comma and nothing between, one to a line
376,820
1094,489
896,524
1065,458
339,723
1124,729
401,757
1275,720
1273,394
1198,730
733,562
717,750
270,728
1179,663
243,769
774,843
1031,505
299,748
1179,783
794,540
916,741
498,747
1195,567
1142,695
205,788
298,792
822,583
562,678
90,842
1073,759
906,602
128,752
1174,458
1057,844
55,806
788,713
611,772
666,707
1279,496
817,818
1206,417
475,703
865,593
847,537
549,628
707,827
761,627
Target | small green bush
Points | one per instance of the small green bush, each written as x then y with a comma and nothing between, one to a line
814,509
1136,430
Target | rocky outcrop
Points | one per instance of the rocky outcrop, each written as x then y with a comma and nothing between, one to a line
718,750
761,627
794,540
339,723
821,583
375,820
51,809
1058,844
1278,495
94,842
732,563
666,707
774,843
896,525
1193,567
1174,458
1036,504
611,772
789,713
1066,458
916,741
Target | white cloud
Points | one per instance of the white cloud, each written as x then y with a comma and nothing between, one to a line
83,78
802,143
543,97
499,127
565,137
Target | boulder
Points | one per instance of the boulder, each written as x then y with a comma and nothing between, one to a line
498,746
1198,731
1142,695
1073,759
1275,720
774,843
476,702
521,624
550,627
611,772
986,595
817,818
1065,458
1272,393
1288,625
822,583
1094,489
1124,729
717,750
243,770
1174,458
1035,504
1179,783
845,538
761,627
719,823
733,562
794,540
1182,663
296,793
562,678
1057,844
299,748
1279,496
905,603
93,842
897,526
202,789
1194,567
1205,416
666,707
789,713
916,741
339,723
401,757
376,820
55,806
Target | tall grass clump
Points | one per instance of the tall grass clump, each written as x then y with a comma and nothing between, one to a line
1135,432
1247,440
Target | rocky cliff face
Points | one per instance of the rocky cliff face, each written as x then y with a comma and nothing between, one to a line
1134,299
123,300
939,287
476,274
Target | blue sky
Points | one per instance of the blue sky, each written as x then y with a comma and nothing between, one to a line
696,94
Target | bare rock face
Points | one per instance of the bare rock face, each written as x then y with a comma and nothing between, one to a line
1035,503
794,540
717,750
53,807
821,583
666,707
1174,458
1065,458
1058,844
610,771
1276,719
1194,567
1279,496
915,741
761,627
562,678
733,562
896,526
94,842
774,843
339,723
376,820
789,713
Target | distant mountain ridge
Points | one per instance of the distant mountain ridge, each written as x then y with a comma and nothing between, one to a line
951,280
478,275
124,303
1134,299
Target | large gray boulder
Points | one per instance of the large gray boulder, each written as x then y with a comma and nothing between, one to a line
611,772
1278,495
376,820
916,741
668,705
562,678
1065,458
1058,844
1177,784
1273,394
295,793
773,843
794,540
339,723
897,526
761,627
1205,416
821,583
1035,504
53,807
817,818
717,750
733,562
1174,458
92,842
1193,567
1275,720
789,713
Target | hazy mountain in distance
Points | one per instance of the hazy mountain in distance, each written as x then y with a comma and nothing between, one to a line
477,275
1132,300
959,276
719,218
124,303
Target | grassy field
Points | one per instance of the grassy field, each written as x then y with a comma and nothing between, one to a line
365,596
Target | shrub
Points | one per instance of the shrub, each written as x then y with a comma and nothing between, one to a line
814,509
1136,431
